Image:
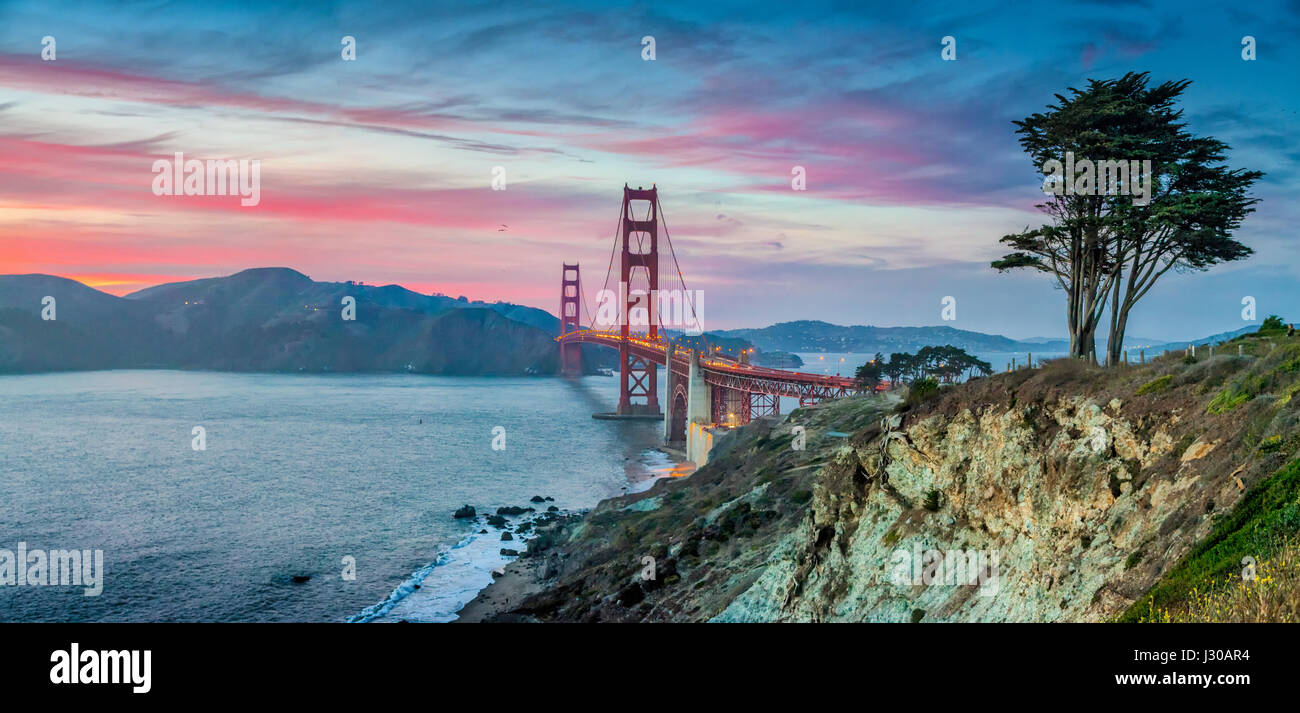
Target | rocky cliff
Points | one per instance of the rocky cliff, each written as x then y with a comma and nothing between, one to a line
1067,493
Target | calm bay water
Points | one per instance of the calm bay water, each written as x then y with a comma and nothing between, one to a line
300,471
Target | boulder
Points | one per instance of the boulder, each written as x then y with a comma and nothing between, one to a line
465,512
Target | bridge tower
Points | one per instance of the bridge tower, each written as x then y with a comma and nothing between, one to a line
638,377
570,310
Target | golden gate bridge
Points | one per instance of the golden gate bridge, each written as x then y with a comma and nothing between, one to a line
705,388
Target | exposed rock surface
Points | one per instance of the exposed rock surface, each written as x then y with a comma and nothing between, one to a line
1083,490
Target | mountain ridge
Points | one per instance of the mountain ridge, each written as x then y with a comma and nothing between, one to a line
818,336
267,319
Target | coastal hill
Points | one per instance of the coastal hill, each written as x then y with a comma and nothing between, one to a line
816,336
1134,493
267,319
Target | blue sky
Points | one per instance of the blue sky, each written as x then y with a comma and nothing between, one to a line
379,169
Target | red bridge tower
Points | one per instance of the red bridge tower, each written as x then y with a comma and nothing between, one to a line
638,377
570,297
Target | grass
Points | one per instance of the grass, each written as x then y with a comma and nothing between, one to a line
1237,393
1156,385
1268,514
1268,591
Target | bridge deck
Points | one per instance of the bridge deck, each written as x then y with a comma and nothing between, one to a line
723,372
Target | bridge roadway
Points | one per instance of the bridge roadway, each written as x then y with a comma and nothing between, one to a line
722,372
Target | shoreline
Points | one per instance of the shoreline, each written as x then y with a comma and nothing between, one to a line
521,579
525,576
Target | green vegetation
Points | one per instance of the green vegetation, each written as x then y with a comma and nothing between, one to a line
1156,385
1271,326
933,499
1237,393
1271,444
921,390
1107,251
870,375
1267,516
946,363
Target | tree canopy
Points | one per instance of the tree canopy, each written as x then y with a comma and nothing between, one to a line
1107,247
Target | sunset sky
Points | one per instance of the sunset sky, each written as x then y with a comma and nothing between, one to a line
380,169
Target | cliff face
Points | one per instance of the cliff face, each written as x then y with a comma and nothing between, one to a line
1044,493
1066,493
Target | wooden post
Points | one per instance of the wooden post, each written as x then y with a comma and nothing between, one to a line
1241,350
1142,356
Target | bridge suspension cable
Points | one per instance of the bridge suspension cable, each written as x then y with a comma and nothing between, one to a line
677,280
687,297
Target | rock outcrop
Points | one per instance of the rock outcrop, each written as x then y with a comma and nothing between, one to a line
1055,494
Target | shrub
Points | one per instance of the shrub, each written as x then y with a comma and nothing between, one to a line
933,499
1271,325
1270,444
1237,393
921,390
1156,385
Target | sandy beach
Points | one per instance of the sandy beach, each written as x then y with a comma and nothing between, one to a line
521,579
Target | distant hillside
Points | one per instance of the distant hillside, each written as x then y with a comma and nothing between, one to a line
734,346
816,336
267,319
290,281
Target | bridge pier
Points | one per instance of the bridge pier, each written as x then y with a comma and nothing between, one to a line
698,416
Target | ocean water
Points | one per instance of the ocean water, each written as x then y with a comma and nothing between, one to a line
299,472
